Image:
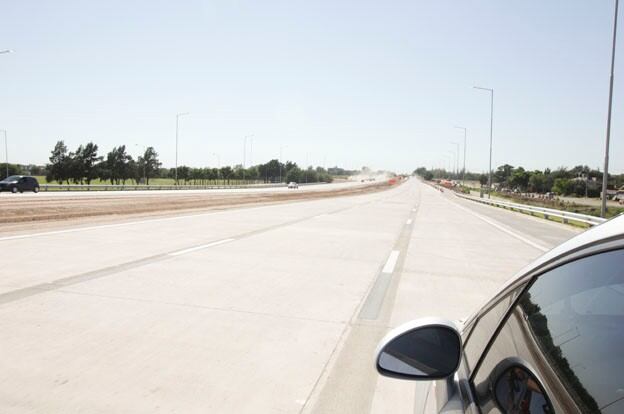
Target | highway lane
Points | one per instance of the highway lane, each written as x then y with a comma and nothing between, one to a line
265,309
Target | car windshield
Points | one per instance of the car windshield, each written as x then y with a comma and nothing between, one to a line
224,206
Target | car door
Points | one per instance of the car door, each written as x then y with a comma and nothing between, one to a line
477,333
559,348
22,184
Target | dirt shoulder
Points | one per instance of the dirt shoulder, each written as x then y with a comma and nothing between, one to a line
43,212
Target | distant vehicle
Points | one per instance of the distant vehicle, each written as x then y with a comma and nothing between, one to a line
293,184
19,183
548,342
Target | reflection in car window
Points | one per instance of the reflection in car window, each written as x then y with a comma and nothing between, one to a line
569,326
518,391
484,328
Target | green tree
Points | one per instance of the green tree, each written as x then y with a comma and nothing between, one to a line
562,186
58,169
519,179
502,173
226,173
116,165
537,182
150,164
83,165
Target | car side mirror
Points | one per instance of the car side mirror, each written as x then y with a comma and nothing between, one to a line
424,349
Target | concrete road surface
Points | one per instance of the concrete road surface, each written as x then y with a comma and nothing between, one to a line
273,309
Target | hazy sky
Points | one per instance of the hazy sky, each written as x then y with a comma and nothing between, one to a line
349,82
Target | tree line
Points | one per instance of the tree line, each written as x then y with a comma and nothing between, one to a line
84,165
580,180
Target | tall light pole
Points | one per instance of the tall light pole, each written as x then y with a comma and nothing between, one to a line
464,169
176,152
280,162
6,145
6,152
491,128
251,151
605,176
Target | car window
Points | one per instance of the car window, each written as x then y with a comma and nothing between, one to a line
568,328
485,326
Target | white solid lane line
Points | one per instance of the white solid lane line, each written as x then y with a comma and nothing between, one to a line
408,222
503,229
203,246
391,262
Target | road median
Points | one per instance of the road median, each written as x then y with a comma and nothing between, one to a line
35,209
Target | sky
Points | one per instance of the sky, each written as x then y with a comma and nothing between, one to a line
336,82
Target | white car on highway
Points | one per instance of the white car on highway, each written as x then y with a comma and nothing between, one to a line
293,185
551,341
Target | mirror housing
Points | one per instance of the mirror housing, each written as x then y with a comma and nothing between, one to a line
423,349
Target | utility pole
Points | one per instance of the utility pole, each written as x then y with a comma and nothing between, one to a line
6,153
6,145
464,169
244,157
605,177
176,144
280,162
491,128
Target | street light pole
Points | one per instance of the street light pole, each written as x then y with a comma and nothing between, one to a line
491,128
605,176
176,149
6,145
464,169
280,162
6,152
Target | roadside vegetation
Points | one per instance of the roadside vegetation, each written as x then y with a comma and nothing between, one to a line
85,165
541,188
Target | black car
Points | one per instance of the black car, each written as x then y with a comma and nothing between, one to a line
19,183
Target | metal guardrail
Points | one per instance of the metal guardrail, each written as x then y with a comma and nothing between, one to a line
143,187
565,216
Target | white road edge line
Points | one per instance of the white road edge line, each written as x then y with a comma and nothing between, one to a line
504,229
391,262
203,246
408,222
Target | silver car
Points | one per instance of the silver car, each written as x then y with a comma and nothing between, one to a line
551,341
